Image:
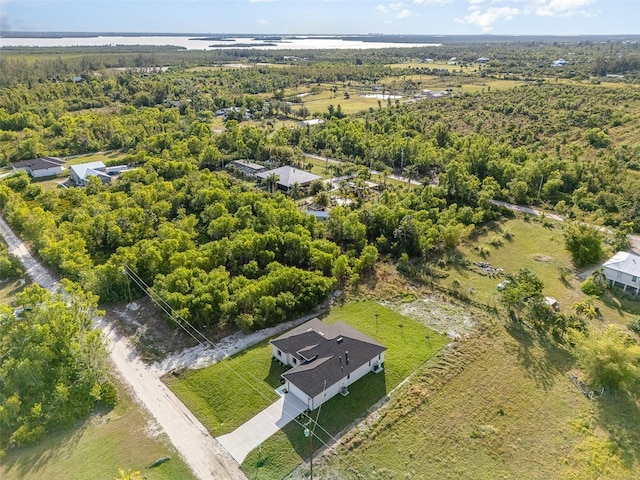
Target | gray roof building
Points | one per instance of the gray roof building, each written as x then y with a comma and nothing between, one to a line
326,359
289,175
40,167
80,173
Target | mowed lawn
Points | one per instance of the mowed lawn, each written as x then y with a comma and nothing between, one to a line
227,394
539,246
409,344
97,448
503,408
531,245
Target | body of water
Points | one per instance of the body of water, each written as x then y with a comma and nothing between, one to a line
195,43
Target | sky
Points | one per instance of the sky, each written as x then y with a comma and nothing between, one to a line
426,17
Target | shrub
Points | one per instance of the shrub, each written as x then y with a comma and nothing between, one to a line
591,287
634,325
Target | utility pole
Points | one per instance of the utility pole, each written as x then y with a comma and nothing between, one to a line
540,187
309,434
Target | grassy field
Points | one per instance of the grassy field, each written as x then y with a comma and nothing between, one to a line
211,393
536,245
95,157
501,407
500,404
409,345
512,245
96,448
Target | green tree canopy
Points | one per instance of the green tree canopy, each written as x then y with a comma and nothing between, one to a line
52,367
609,357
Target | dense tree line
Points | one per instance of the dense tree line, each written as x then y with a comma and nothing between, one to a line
52,368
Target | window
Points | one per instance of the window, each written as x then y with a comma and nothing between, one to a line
279,353
369,362
634,279
348,376
295,360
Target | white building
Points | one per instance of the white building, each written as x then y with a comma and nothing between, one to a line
80,173
623,269
40,167
325,360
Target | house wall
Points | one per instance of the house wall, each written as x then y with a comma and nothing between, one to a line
285,357
304,398
74,176
333,390
47,172
624,279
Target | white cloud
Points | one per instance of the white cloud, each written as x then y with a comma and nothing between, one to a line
262,22
560,8
487,18
431,2
396,9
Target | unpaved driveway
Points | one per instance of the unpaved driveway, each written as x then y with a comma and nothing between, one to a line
199,449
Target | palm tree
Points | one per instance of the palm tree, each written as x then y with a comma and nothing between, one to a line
295,190
410,171
272,182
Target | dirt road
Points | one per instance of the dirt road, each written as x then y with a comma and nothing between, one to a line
203,453
634,239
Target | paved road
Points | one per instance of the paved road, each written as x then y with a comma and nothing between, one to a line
205,456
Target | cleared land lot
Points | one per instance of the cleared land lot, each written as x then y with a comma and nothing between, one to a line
225,395
96,448
501,404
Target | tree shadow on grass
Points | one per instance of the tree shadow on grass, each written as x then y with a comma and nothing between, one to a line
619,415
541,356
27,461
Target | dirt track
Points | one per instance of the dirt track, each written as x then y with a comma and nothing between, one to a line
202,452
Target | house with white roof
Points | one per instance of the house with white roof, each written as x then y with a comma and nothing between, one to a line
623,269
325,360
80,173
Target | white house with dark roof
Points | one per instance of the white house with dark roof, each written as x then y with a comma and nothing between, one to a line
623,269
80,173
325,359
40,167
288,175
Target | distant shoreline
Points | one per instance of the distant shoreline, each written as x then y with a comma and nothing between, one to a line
386,38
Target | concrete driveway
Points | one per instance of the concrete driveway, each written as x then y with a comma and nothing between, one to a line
255,431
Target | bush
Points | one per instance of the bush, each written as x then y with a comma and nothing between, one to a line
591,287
634,325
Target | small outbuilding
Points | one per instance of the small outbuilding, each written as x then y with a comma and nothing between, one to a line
247,168
325,360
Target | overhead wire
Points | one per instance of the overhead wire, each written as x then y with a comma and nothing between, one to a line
176,317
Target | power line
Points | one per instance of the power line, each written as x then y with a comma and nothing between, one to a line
170,311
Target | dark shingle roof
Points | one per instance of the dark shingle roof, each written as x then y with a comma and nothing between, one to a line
41,163
327,353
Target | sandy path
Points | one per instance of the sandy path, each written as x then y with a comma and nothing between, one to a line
205,456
